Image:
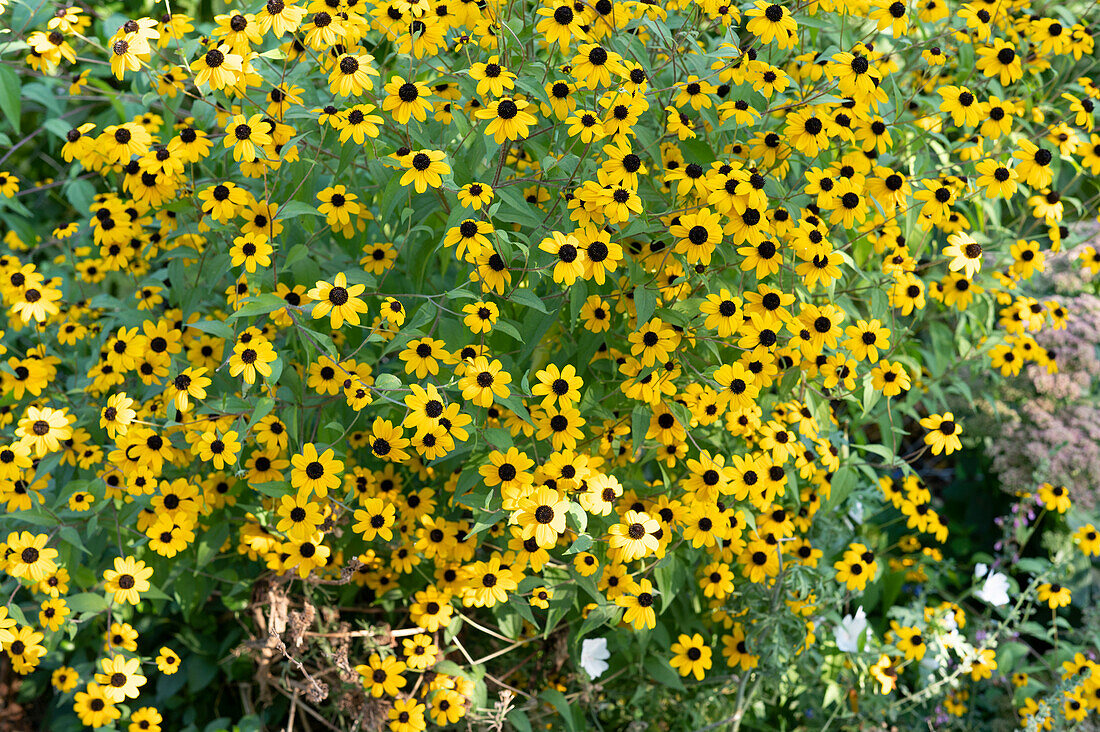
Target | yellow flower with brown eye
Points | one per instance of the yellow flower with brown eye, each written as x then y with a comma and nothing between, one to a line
64,679
475,195
422,356
1000,61
420,652
28,556
223,201
508,119
542,516
221,450
393,311
586,564
375,519
561,23
716,580
484,381
431,609
350,75
406,100
53,614
424,169
653,342
691,656
128,579
1054,595
585,125
305,556
594,66
909,641
890,378
1034,168
245,135
1054,498
117,416
94,708
317,472
943,433
865,338
998,180
338,300
886,674
639,599
857,567
299,516
251,251
541,597
387,441
965,254
480,316
81,501
962,105
634,536
358,123
492,78
561,385
120,678
1087,539
697,235
337,205
382,675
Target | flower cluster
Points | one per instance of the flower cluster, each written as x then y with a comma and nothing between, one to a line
418,342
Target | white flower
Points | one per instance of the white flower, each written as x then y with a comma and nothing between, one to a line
994,590
855,512
849,631
594,655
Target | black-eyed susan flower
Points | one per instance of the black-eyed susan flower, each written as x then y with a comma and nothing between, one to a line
424,169
965,254
338,300
634,536
382,675
127,580
943,433
1054,595
691,656
1054,497
484,381
94,707
120,678
406,100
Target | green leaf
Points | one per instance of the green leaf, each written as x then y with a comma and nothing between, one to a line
662,673
295,209
276,488
264,405
843,482
215,328
10,97
530,299
639,425
486,521
72,536
508,329
86,602
259,305
514,403
582,544
561,704
519,720
387,382
645,300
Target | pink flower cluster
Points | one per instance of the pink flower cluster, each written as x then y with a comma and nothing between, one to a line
1054,434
